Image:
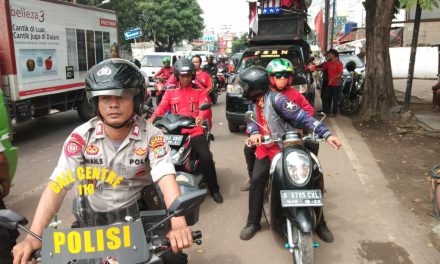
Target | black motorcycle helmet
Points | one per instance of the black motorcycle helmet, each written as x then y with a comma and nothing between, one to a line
254,81
350,66
136,62
115,77
184,66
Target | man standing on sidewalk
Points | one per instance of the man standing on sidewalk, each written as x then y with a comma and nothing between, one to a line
330,96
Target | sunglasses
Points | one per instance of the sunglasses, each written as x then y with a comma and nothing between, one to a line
278,75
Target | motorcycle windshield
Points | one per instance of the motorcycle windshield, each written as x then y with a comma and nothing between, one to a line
102,233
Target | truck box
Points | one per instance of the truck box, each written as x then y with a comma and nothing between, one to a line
46,48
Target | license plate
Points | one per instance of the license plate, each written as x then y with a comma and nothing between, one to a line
301,198
174,140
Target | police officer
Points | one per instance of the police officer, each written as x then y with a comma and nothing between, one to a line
117,141
185,100
255,82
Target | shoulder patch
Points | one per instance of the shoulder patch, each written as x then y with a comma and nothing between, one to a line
74,145
289,106
157,145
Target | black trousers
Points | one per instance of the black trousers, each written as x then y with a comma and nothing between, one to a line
260,175
7,241
330,99
249,155
199,145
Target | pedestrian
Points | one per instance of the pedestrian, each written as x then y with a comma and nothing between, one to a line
281,78
330,95
274,113
118,141
185,100
115,51
7,237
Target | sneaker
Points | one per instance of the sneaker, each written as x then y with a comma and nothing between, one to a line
324,233
249,231
246,186
218,198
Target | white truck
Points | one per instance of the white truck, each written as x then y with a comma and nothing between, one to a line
46,48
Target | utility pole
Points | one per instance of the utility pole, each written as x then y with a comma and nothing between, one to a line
412,58
326,22
333,24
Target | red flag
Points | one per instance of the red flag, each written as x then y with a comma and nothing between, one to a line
319,27
253,17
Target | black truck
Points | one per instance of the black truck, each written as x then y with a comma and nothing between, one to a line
279,36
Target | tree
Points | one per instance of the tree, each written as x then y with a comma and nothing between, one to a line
239,44
379,97
168,22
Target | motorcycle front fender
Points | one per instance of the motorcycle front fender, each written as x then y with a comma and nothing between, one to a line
302,217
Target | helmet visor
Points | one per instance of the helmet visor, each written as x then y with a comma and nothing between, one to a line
114,92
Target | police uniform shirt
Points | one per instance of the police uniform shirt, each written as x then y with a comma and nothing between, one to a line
117,176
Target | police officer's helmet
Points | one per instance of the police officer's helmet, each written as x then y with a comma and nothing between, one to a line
350,66
115,77
254,81
136,62
184,66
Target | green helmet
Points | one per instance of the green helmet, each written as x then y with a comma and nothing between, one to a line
166,59
279,65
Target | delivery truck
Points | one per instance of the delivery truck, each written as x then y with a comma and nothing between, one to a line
46,48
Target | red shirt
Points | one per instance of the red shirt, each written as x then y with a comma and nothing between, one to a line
203,80
164,73
184,101
333,68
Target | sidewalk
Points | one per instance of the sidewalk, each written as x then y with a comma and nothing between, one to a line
421,101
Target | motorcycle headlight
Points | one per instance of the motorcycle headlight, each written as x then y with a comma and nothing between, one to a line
298,167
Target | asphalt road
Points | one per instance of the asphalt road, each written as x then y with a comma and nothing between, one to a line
369,223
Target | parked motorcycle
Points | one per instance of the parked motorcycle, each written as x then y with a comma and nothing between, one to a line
292,200
182,156
126,240
351,92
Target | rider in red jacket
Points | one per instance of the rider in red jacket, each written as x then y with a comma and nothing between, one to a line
203,80
185,100
164,73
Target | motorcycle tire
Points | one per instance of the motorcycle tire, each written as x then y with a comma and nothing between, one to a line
349,106
303,254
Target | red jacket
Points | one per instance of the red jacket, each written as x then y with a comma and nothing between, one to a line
184,101
295,96
203,80
164,73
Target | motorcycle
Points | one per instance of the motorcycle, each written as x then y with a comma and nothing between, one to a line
292,200
126,240
182,156
159,84
351,93
213,94
221,77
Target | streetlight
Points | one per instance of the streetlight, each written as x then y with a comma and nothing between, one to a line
104,2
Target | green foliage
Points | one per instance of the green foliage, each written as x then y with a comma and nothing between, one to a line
239,44
168,22
425,4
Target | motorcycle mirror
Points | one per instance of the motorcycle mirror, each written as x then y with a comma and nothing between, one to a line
10,219
248,116
186,203
204,106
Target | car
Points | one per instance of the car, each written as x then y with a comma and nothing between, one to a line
151,64
236,106
236,58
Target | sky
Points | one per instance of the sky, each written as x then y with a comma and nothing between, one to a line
233,13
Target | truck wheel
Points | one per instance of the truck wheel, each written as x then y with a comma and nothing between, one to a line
233,127
85,111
